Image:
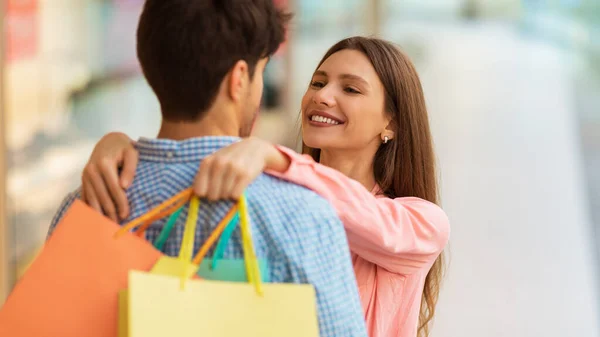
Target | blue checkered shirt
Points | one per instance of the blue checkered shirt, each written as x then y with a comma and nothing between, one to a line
296,230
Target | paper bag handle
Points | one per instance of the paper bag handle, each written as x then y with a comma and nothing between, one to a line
174,204
252,268
187,242
189,234
167,207
214,235
160,241
224,240
168,228
251,262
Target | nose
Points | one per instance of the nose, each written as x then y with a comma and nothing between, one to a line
324,96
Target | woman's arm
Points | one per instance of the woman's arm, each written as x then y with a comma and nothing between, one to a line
401,235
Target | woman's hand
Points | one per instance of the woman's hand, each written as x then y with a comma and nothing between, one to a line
102,188
226,173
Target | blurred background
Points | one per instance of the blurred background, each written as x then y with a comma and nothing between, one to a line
513,91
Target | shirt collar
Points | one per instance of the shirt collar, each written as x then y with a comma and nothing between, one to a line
173,151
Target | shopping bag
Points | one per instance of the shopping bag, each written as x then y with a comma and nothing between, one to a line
228,269
71,288
180,266
157,305
231,270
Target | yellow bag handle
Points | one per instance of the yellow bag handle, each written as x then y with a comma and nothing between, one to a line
251,262
252,268
187,242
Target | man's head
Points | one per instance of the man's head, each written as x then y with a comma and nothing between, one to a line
201,56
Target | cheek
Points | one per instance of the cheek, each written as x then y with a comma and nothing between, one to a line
305,101
364,125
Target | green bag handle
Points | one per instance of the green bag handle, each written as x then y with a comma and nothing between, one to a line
159,243
224,240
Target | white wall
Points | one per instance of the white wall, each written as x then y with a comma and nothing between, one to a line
504,120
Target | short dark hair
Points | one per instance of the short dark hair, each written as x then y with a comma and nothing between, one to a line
186,47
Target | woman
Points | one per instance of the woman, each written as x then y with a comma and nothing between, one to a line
366,133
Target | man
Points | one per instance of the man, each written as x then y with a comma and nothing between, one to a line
205,62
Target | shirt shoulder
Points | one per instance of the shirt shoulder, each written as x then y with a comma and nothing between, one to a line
272,192
291,215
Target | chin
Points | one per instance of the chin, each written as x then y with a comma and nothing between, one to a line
322,137
317,142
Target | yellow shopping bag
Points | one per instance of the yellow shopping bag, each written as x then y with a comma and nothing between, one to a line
159,304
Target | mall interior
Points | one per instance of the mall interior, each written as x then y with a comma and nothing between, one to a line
513,95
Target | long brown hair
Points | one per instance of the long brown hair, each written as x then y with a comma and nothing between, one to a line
404,166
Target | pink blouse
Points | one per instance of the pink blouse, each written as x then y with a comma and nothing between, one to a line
394,243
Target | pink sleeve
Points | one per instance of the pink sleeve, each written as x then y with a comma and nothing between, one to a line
402,235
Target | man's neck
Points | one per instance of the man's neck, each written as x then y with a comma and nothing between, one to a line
213,124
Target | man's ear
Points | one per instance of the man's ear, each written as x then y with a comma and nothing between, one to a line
238,80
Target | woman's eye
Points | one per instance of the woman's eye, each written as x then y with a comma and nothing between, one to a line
317,84
351,90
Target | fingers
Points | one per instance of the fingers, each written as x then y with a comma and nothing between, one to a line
110,177
231,174
227,173
218,176
130,161
88,194
100,192
218,173
202,177
239,187
83,198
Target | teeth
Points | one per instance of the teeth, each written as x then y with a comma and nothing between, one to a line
321,119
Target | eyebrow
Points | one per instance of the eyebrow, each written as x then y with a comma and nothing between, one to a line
344,76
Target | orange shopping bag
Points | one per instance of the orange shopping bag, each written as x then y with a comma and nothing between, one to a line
71,289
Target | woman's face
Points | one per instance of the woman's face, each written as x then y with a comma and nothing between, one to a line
343,108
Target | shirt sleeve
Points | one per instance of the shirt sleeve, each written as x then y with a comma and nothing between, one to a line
62,209
320,256
402,235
